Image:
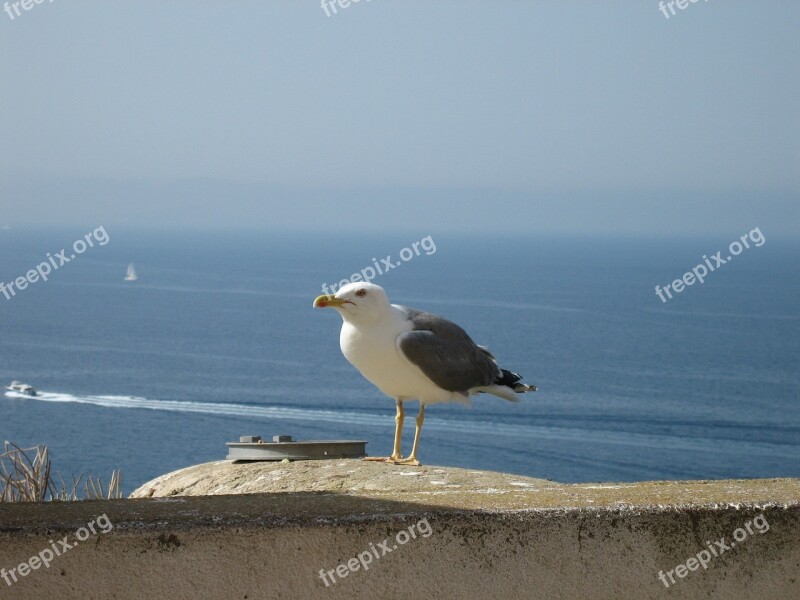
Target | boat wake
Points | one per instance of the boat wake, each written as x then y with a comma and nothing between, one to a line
210,408
383,421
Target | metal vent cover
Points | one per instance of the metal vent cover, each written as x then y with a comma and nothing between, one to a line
253,448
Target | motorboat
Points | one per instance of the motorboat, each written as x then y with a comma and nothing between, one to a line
21,388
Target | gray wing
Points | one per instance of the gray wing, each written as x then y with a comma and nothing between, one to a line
445,353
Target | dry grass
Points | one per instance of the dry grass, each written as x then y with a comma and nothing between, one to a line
26,476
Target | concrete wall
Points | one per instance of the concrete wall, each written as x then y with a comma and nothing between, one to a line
274,545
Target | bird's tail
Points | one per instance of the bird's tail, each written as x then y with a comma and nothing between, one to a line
507,385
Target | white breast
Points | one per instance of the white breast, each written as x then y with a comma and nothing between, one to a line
372,349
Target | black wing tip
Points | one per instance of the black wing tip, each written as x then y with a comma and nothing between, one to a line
508,378
514,381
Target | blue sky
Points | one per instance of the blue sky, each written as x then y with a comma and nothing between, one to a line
569,117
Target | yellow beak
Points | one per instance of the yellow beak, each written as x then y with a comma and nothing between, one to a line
325,301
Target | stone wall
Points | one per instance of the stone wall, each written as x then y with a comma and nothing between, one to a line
415,533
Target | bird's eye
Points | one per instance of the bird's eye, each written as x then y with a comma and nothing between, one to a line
361,293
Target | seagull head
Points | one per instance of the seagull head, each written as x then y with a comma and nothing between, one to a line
359,302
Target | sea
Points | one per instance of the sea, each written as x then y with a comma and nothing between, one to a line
218,339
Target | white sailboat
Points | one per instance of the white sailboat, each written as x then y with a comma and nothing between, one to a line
131,274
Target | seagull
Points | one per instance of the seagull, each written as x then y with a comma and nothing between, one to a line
409,354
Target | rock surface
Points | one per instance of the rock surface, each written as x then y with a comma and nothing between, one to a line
341,476
456,488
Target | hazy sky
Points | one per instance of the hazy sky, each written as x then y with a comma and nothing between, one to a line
560,116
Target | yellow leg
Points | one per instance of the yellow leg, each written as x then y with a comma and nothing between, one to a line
397,451
412,458
398,434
